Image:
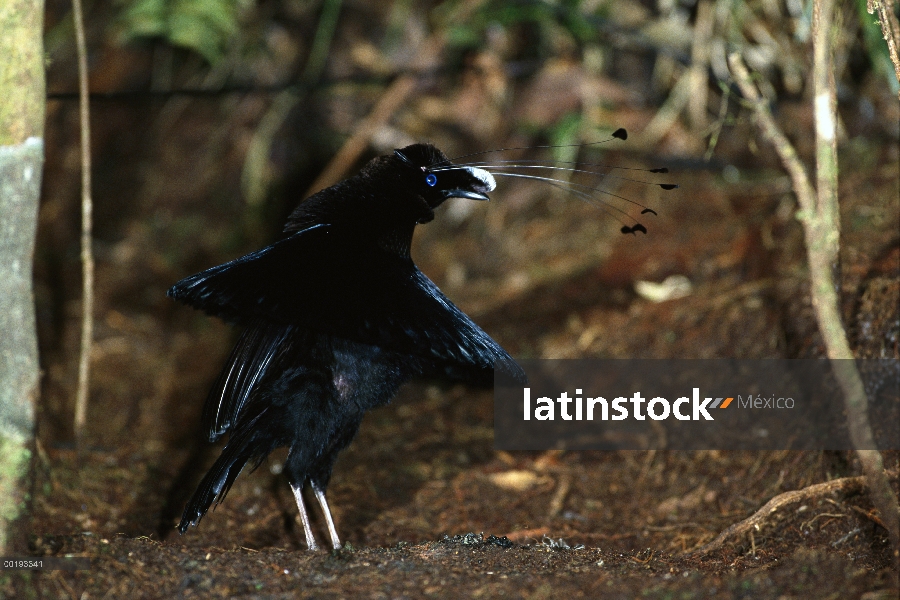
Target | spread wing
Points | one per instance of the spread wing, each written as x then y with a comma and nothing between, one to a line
318,279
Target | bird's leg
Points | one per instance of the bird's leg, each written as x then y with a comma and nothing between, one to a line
307,528
320,496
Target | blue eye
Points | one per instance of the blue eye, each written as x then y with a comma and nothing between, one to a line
431,179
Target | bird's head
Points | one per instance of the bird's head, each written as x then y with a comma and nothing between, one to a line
393,193
436,179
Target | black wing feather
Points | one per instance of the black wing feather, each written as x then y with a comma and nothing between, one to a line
257,347
315,280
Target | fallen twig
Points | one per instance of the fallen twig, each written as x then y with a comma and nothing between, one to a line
837,543
870,516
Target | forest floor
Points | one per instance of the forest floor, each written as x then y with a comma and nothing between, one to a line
425,505
420,492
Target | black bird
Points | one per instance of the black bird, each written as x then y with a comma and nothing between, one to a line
338,317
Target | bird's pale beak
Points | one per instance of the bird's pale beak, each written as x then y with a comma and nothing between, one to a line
465,194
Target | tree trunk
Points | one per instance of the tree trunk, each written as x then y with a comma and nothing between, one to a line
21,160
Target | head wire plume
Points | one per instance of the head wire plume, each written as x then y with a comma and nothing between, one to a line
527,169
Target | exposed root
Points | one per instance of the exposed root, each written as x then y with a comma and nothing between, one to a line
846,485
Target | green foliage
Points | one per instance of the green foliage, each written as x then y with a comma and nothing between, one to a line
14,460
204,26
564,16
565,134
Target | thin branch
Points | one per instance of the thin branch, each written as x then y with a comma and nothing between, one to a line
667,115
255,175
818,216
825,115
87,256
700,51
823,249
890,29
797,172
389,103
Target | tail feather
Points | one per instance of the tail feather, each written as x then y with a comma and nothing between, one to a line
248,444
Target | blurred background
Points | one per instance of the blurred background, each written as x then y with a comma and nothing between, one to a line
212,118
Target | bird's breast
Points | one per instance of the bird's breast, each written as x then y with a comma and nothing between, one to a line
367,375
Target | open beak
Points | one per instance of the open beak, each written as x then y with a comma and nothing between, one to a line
465,194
